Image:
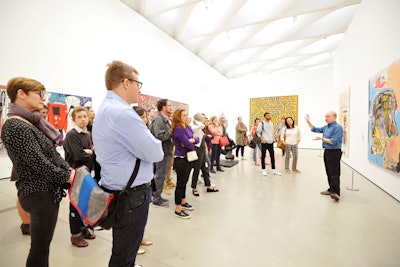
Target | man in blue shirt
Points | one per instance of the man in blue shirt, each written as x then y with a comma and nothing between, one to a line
332,135
120,138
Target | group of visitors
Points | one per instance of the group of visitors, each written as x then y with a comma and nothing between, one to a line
115,140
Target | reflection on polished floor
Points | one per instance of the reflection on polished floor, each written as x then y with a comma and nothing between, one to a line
253,221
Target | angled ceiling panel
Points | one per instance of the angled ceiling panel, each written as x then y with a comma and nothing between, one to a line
239,37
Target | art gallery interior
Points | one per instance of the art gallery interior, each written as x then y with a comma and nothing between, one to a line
253,220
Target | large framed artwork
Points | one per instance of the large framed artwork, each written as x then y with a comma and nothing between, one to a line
148,101
344,116
60,107
384,118
278,106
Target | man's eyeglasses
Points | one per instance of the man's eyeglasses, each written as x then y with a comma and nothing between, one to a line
132,80
41,93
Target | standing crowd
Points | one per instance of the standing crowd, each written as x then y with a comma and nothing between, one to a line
110,144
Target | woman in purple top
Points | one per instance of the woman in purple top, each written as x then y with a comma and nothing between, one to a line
184,140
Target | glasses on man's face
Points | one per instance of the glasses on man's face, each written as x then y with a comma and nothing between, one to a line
41,93
132,80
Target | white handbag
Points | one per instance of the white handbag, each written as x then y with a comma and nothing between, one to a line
192,156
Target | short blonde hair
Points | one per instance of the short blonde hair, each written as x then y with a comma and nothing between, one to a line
118,71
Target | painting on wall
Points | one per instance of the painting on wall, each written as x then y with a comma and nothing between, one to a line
148,101
384,118
278,106
344,119
60,107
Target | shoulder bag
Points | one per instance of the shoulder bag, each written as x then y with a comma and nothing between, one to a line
96,205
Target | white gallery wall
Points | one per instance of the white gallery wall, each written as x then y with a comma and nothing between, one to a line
67,44
371,43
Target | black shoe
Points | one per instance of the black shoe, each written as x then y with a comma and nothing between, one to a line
213,171
182,215
335,197
187,206
212,189
195,192
220,170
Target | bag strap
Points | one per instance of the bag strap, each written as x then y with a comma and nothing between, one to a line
133,176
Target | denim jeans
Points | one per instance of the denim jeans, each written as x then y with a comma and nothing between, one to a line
128,232
215,156
43,213
159,177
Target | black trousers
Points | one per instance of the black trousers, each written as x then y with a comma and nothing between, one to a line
332,167
200,164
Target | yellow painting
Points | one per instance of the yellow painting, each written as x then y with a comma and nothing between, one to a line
278,106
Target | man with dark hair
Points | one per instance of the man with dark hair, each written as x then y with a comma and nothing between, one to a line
161,129
265,131
121,139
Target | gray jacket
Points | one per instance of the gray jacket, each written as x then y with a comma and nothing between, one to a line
161,129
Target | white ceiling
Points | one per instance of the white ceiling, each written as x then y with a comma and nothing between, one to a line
238,37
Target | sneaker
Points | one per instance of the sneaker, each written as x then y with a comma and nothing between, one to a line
335,197
275,172
296,171
326,193
141,251
264,172
182,215
160,204
164,200
187,206
243,158
288,171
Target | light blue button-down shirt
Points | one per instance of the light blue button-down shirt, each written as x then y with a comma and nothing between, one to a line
120,137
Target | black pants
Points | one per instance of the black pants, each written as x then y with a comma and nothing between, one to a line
200,164
182,168
239,147
43,213
332,167
270,148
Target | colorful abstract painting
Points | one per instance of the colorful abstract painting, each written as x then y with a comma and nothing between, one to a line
60,107
148,101
278,106
344,116
384,118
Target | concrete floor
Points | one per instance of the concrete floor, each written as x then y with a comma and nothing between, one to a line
253,221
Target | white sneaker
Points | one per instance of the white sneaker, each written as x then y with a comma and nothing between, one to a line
141,251
264,172
243,158
275,172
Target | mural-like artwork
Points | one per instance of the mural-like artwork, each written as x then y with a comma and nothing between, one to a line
278,106
344,117
384,118
60,107
148,101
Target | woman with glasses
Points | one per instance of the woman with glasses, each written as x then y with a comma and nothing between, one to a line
31,142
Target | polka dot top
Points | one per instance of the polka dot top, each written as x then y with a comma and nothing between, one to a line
39,166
